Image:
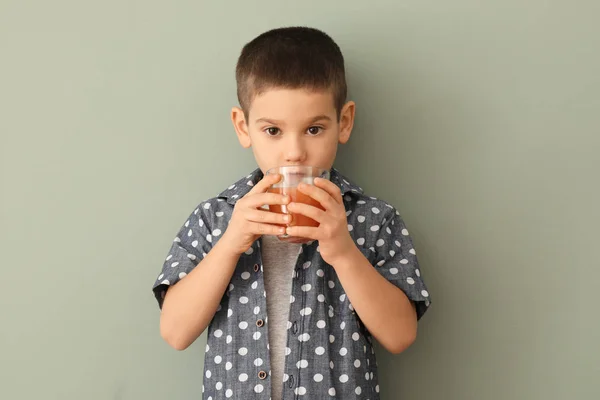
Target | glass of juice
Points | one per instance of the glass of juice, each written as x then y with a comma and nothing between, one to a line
291,177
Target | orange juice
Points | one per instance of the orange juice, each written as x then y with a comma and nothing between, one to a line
296,197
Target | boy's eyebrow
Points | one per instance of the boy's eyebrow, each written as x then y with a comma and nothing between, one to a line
277,122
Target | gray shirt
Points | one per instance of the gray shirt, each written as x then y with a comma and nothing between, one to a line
279,260
329,351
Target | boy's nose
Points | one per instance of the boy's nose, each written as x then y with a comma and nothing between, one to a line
294,152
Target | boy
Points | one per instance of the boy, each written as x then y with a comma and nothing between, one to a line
285,320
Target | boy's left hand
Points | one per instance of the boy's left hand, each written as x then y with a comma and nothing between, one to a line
332,233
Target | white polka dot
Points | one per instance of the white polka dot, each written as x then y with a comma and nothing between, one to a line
355,336
410,281
256,310
201,223
357,363
397,243
160,277
218,333
331,392
306,288
208,374
343,351
358,390
306,265
249,251
320,351
219,386
191,256
219,213
182,275
342,325
393,270
404,232
305,337
417,272
412,251
343,297
229,312
331,284
302,364
288,351
375,210
321,298
243,377
243,300
377,388
228,366
300,390
258,362
243,351
254,285
321,324
256,335
165,282
380,243
404,261
306,311
169,257
228,393
425,293
331,314
318,377
380,263
209,238
190,232
216,232
374,228
207,348
245,275
350,228
320,273
206,206
243,325
344,378
218,360
360,241
361,218
231,287
361,202
331,338
286,377
392,253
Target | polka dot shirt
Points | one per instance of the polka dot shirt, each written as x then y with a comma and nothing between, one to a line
329,351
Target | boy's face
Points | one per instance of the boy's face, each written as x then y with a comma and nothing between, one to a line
293,127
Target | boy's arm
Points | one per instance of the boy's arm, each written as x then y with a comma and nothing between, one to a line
190,305
382,307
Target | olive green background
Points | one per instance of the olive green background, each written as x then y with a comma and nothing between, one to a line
479,120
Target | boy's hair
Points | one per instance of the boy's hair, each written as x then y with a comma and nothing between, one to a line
291,58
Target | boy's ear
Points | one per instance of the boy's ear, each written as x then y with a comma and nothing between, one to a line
241,127
346,121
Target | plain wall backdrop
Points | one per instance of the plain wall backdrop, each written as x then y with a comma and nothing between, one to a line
478,120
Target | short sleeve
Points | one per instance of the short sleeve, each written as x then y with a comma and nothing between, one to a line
396,260
190,246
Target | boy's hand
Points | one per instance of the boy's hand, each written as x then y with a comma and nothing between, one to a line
332,233
248,223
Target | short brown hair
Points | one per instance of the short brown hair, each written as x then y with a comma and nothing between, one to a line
292,58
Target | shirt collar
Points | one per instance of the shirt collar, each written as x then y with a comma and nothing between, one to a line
240,188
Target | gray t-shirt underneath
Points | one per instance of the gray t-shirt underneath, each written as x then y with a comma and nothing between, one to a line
279,260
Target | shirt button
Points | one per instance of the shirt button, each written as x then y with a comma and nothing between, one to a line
260,323
256,267
262,375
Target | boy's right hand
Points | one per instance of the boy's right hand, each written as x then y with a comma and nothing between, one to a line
248,222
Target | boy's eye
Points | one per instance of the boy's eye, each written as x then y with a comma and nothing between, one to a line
314,130
272,131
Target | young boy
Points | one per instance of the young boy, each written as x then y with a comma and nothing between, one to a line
285,320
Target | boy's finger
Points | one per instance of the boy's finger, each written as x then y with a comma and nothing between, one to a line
331,188
265,183
260,199
308,232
